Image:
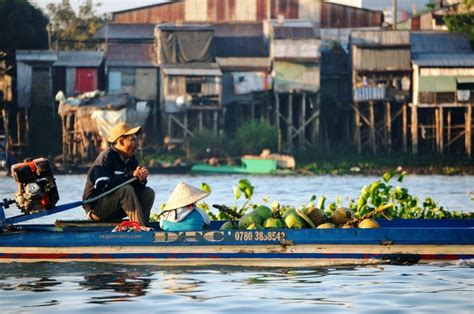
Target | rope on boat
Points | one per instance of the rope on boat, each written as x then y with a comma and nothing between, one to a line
109,191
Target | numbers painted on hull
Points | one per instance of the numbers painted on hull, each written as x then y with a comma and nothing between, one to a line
259,236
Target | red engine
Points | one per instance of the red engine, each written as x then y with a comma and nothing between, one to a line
37,188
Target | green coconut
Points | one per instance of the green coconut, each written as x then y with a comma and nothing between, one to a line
249,219
327,225
316,215
273,223
294,221
228,225
368,224
263,211
341,215
254,227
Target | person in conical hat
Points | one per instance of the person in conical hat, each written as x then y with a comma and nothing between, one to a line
181,213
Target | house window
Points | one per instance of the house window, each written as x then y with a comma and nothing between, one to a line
115,81
193,88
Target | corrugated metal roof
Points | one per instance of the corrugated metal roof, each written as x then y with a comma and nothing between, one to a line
293,32
192,69
126,31
432,42
380,38
294,29
238,30
36,55
134,55
79,58
185,27
443,60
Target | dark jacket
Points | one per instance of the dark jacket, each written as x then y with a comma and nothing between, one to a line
108,171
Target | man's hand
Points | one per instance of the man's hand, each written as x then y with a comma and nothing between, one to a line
141,173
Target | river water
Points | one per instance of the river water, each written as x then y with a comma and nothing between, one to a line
79,287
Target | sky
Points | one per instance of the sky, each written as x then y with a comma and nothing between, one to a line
117,5
107,5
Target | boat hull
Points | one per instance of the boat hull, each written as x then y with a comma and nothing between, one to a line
267,248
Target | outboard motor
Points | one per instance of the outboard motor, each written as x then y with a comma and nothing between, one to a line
37,190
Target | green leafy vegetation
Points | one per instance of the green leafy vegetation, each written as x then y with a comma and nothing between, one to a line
384,198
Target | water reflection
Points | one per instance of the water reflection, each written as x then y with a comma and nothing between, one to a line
127,284
39,285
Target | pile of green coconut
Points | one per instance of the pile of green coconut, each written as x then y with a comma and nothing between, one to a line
263,217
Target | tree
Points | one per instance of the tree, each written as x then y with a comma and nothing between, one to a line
71,31
22,26
463,22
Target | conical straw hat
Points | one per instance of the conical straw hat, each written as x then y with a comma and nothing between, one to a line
183,195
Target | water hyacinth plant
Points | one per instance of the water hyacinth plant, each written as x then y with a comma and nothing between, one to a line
382,198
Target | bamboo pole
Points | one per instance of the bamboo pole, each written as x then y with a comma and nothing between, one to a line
357,127
405,127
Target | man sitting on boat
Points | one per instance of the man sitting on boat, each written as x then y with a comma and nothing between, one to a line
113,167
181,213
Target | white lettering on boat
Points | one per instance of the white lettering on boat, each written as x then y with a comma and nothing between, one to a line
190,236
259,235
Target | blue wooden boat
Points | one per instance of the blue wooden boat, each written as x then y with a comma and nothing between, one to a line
397,241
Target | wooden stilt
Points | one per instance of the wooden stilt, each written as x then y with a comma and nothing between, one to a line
170,127
214,118
303,120
290,122
468,138
448,129
414,129
436,129
200,120
252,111
405,127
372,127
317,120
27,130
357,127
277,120
441,129
389,126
